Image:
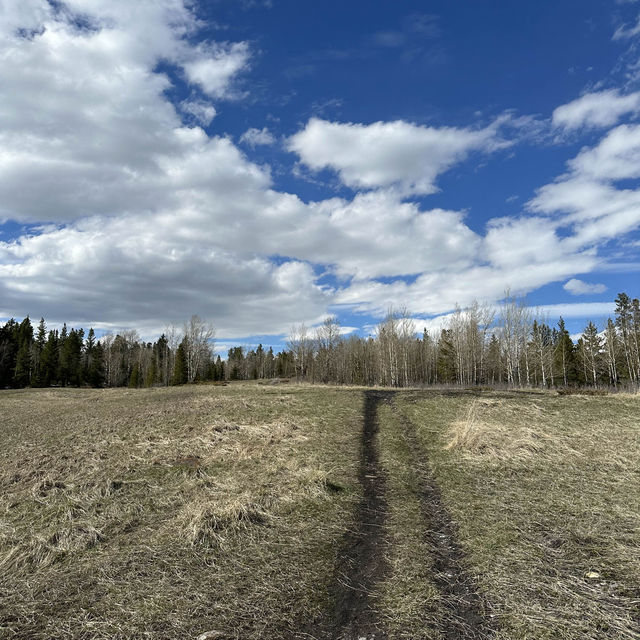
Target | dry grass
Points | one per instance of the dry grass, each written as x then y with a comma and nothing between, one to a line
545,490
496,429
166,513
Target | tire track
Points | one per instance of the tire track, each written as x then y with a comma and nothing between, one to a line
361,561
466,611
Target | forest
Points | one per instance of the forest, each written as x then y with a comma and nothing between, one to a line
512,346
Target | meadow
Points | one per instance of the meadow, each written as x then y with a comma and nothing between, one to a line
299,511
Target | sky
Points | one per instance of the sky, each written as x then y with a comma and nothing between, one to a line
265,163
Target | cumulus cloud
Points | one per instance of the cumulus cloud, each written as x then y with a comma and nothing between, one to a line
369,237
151,219
389,154
616,157
214,65
256,137
579,287
133,271
600,109
439,292
587,197
108,141
202,112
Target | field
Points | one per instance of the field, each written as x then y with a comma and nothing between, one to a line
282,511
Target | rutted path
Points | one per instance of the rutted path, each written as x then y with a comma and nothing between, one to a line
361,564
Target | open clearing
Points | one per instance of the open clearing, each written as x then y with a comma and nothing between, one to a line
254,511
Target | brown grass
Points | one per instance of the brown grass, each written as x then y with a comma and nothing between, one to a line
166,513
545,490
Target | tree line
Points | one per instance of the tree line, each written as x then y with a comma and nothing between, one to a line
479,345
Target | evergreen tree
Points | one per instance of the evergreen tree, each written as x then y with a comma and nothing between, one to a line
150,377
95,373
565,356
8,353
134,379
63,364
71,357
23,370
161,353
270,363
180,372
49,360
235,361
446,363
36,354
624,322
89,354
590,354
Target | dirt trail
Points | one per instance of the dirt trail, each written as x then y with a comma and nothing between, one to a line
467,617
361,561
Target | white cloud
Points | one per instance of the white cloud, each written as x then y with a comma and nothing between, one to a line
515,242
255,137
579,287
108,141
389,154
600,109
215,65
202,111
587,198
591,310
439,292
369,237
616,157
137,272
152,219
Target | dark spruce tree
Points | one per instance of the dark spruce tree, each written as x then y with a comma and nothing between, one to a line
565,357
180,371
37,378
8,353
23,370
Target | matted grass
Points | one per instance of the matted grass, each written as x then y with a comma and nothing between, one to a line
166,513
409,601
545,491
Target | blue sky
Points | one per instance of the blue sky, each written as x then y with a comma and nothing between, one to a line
264,164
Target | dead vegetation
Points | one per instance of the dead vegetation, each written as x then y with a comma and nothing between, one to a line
168,513
545,491
497,429
173,513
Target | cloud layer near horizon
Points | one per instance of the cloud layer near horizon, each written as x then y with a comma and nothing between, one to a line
144,217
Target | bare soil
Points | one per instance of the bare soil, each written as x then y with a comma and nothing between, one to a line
361,560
